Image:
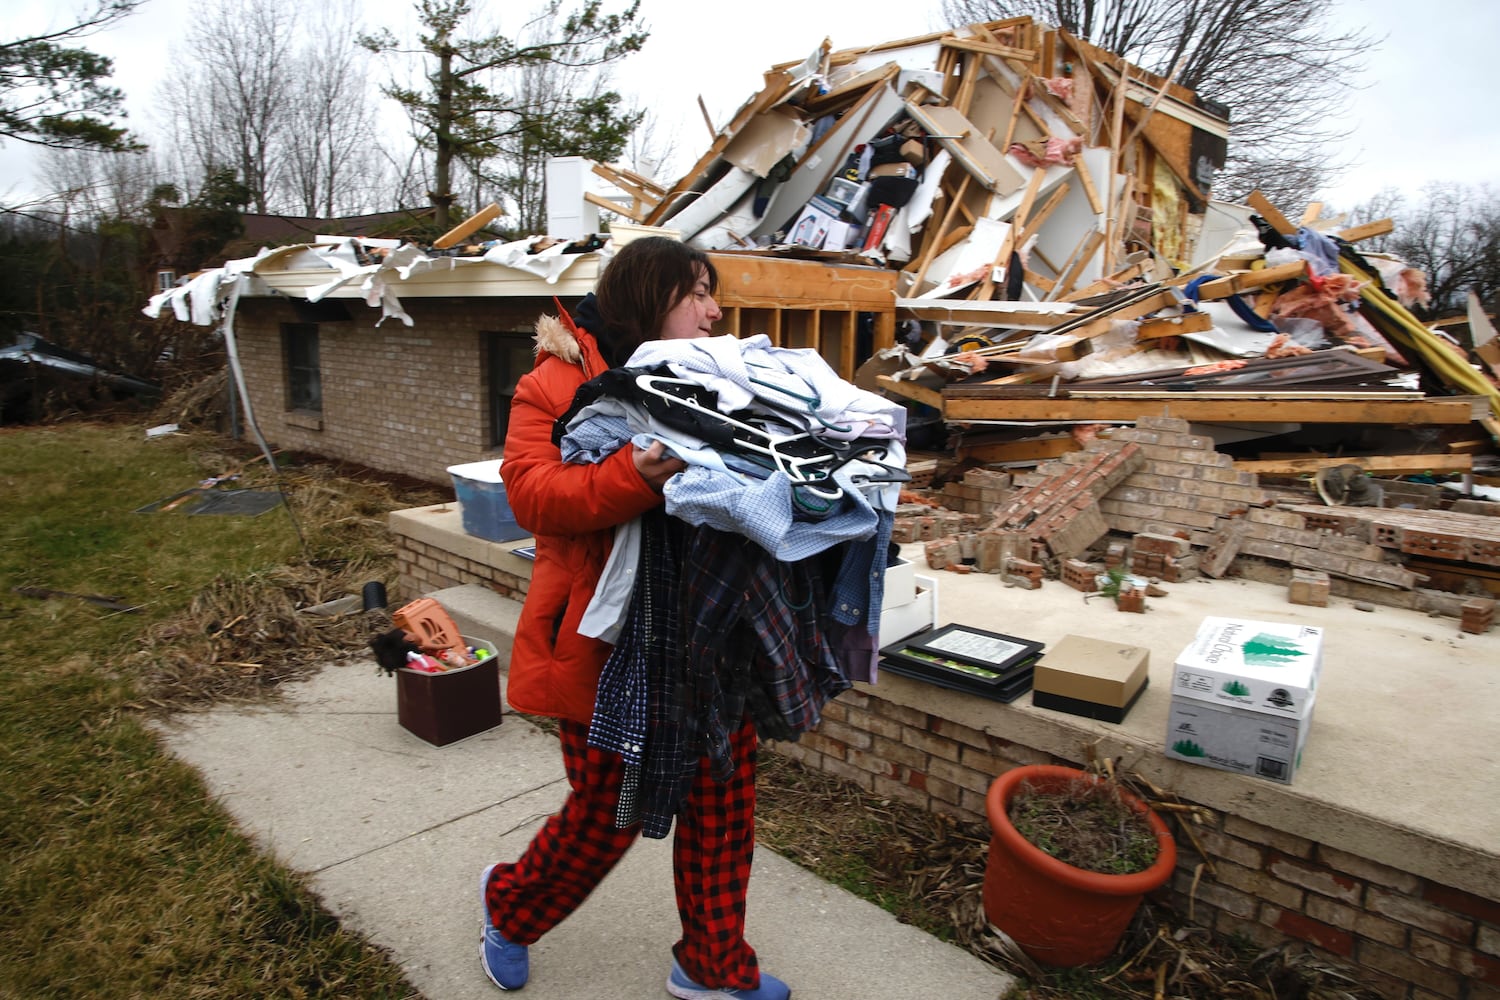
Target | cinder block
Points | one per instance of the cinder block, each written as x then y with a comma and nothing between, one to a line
1167,545
1026,569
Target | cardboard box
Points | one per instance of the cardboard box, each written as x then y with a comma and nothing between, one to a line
820,227
1237,739
446,707
1266,667
482,504
1095,678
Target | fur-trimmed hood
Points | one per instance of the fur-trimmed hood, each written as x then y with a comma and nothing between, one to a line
557,336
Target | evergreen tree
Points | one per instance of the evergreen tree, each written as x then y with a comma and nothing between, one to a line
466,110
53,94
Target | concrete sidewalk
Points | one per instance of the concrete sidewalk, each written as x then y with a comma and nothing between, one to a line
393,833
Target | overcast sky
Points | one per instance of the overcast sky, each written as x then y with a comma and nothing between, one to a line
1425,112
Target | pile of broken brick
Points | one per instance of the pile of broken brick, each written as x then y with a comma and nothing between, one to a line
1160,504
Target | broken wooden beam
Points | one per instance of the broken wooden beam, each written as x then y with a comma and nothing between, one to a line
1244,281
957,405
1394,465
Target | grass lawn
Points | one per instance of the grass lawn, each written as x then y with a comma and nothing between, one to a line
120,877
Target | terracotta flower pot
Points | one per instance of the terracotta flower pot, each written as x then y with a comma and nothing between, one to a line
1061,915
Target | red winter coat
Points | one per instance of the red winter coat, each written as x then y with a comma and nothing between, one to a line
572,511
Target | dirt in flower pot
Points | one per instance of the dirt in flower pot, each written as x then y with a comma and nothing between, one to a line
1088,826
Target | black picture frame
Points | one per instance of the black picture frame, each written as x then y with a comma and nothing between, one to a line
966,658
993,651
1007,689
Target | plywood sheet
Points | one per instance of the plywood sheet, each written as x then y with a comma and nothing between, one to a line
969,146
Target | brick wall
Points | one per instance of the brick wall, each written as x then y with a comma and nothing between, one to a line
1408,937
422,568
412,400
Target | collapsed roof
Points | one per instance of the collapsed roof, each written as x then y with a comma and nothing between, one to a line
1049,208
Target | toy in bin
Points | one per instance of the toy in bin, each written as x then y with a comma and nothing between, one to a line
425,639
447,686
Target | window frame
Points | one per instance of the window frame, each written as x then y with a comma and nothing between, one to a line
303,374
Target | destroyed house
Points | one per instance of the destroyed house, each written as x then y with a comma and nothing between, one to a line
1017,234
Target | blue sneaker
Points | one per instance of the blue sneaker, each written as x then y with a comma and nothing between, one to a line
680,986
506,964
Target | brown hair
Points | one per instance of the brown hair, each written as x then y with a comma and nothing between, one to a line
645,281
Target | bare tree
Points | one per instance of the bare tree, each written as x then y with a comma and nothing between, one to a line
1452,234
229,94
650,151
1280,66
332,119
94,185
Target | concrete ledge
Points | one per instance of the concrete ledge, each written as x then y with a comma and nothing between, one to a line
441,526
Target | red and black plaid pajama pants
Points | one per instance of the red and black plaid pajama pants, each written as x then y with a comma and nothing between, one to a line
578,845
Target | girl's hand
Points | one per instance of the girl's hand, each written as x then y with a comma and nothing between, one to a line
655,465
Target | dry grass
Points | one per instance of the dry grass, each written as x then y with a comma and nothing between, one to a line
928,870
247,633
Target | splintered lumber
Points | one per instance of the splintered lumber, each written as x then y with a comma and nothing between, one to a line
1394,465
1240,410
644,192
911,390
1133,269
1096,203
1022,213
468,227
988,48
1035,316
1244,281
1271,214
1034,449
1098,321
845,93
1174,326
969,148
1369,230
1082,254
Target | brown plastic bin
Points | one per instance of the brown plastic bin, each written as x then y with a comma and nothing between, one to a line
446,707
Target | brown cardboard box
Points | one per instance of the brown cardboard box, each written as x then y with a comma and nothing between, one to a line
446,707
893,170
1095,678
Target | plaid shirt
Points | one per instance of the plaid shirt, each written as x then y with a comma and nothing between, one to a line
717,628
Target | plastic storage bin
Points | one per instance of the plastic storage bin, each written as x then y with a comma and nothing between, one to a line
449,706
482,505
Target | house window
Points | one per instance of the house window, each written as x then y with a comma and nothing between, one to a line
166,280
304,381
510,357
